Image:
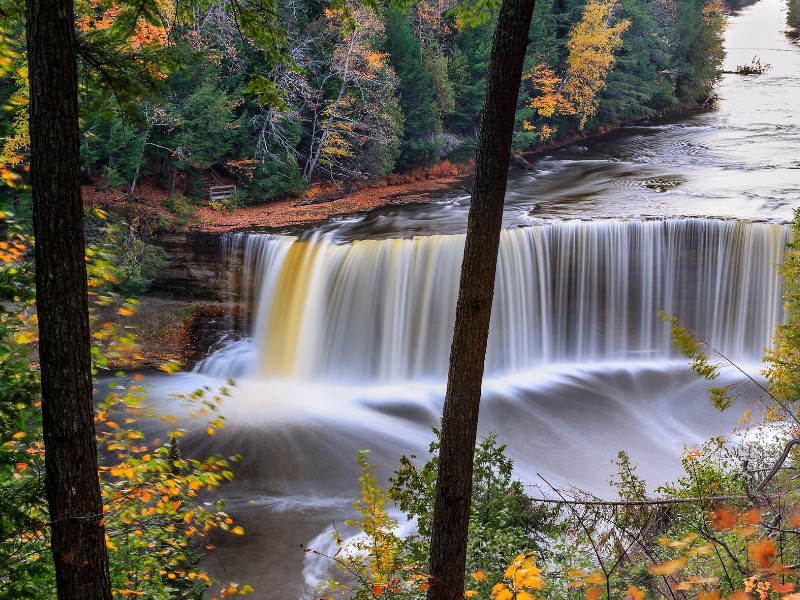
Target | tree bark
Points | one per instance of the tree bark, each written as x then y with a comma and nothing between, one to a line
476,289
71,481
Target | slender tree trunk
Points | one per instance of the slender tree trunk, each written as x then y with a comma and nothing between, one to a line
173,176
71,484
476,289
314,157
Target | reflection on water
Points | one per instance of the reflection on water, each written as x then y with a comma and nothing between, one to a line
299,436
739,160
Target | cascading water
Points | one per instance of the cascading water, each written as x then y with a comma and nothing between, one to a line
382,311
347,333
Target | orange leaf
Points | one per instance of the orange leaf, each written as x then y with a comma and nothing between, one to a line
752,517
634,593
781,588
722,519
667,568
761,552
504,594
593,593
597,578
709,596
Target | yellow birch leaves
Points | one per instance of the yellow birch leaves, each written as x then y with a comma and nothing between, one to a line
591,46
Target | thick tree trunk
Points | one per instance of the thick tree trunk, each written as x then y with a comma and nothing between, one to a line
467,354
71,484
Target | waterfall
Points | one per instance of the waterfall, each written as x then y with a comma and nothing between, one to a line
575,291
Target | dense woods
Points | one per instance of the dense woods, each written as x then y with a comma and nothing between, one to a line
275,98
187,97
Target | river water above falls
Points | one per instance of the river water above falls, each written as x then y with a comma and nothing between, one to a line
347,337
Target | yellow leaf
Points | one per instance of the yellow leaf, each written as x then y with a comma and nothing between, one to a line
574,573
505,594
479,575
667,568
635,593
470,593
596,578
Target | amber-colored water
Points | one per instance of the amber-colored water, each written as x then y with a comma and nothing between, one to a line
350,331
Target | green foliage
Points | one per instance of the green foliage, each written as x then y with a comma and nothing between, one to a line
793,15
467,70
503,522
753,68
245,95
281,182
420,144
697,48
640,84
783,360
372,556
23,571
179,206
156,523
130,262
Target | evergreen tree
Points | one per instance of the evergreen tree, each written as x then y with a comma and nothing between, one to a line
639,85
697,48
420,143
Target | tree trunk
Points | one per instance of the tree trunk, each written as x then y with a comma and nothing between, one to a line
314,156
71,484
476,289
173,176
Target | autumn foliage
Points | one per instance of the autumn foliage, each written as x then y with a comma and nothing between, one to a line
158,506
591,46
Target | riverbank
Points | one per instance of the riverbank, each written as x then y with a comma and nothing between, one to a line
329,201
187,310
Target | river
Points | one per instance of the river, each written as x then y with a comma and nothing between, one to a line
347,345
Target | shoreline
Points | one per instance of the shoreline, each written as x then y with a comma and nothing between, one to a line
323,203
169,327
412,188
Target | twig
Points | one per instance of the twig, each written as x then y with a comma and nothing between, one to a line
655,501
778,464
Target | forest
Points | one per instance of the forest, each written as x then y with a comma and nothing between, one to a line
278,97
347,93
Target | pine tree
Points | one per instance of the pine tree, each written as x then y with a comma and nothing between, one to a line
420,144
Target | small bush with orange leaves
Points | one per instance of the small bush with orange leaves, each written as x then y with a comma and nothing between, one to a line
158,506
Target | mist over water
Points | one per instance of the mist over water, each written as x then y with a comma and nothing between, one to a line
347,340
